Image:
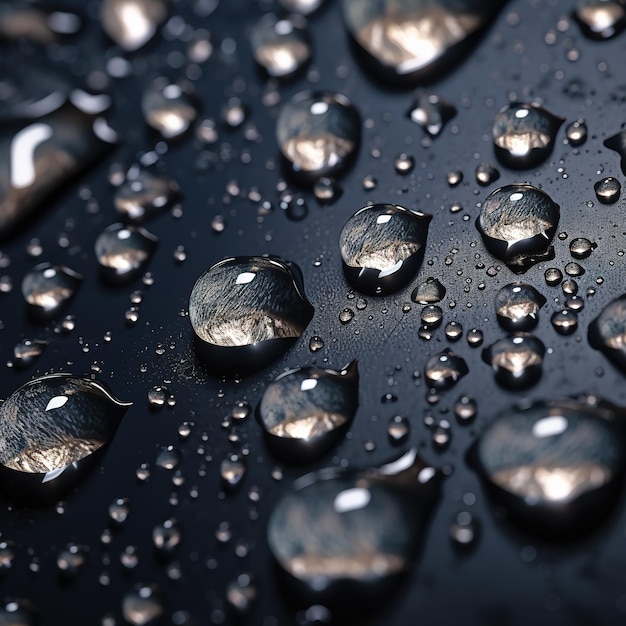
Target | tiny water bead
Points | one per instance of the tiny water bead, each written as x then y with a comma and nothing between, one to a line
608,190
398,429
445,369
382,247
600,19
327,190
517,224
464,531
607,332
465,409
318,135
48,288
123,252
517,360
576,133
554,463
48,426
429,292
343,538
517,307
431,315
131,24
232,470
145,194
432,113
581,247
306,411
143,605
404,163
486,174
453,331
247,311
565,321
524,134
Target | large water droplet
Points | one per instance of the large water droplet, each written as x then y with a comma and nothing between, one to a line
382,247
600,19
516,360
246,311
123,252
318,135
170,107
523,134
517,224
145,194
132,23
344,538
432,113
607,332
554,463
429,292
517,306
51,427
445,369
410,40
306,411
48,288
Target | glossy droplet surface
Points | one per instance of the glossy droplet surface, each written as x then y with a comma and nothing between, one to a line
345,536
123,252
432,113
600,19
524,134
170,107
576,133
143,605
486,174
517,306
410,40
48,288
27,351
382,247
607,332
516,360
132,23
552,462
445,369
608,190
145,194
517,224
318,135
306,411
304,7
429,292
247,311
281,46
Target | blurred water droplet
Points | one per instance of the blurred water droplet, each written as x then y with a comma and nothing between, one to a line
445,369
608,190
306,411
48,288
607,332
242,593
398,429
432,113
404,163
232,470
465,409
143,605
429,292
455,178
246,311
565,322
168,458
241,411
327,190
486,174
27,351
517,224
131,24
18,612
38,23
517,306
516,360
382,247
553,276
70,561
576,133
166,538
119,510
169,107
464,531
145,194
600,19
304,7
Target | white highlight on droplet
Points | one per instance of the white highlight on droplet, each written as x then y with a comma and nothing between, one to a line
56,403
308,384
351,500
245,277
550,426
23,148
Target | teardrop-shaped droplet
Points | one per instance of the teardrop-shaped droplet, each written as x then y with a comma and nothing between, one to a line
576,133
304,7
145,194
607,332
524,134
48,288
143,605
600,19
445,369
166,538
241,594
247,311
306,411
37,22
382,247
608,190
51,427
170,107
344,538
410,40
27,351
432,113
131,24
123,252
233,470
429,292
281,46
554,463
517,307
617,143
517,224
517,360
318,135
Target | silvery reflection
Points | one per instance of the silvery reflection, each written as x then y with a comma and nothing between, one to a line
131,24
48,288
145,194
517,306
517,360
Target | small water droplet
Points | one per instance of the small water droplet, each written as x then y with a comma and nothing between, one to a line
327,190
455,178
166,538
429,292
474,337
431,315
486,174
565,322
465,409
145,194
404,163
576,133
18,612
445,369
516,360
168,458
143,605
346,315
398,429
48,288
608,190
517,307
574,269
600,19
119,510
232,470
453,331
27,351
70,560
607,332
432,113
553,276
170,108
132,23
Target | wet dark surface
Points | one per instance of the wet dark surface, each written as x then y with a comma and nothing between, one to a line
533,51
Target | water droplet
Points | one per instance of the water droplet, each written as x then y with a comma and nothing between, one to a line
132,23
411,40
145,194
246,311
445,369
294,207
524,134
576,133
404,163
453,331
327,190
455,178
318,135
281,46
119,510
232,470
618,144
517,306
464,531
158,396
431,315
465,409
600,19
565,322
123,252
306,411
429,292
48,288
516,360
378,519
18,612
432,113
398,429
169,107
242,593
474,337
346,316
27,351
316,343
607,332
382,247
143,605
166,538
168,458
553,276
581,247
608,190
486,174
70,561
517,224
553,463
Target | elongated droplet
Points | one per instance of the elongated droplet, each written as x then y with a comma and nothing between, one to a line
343,538
432,113
524,134
123,252
247,311
306,411
516,360
517,307
556,464
41,24
131,24
27,351
304,7
445,369
49,429
600,19
411,40
382,247
607,332
144,195
169,107
318,135
517,224
48,288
